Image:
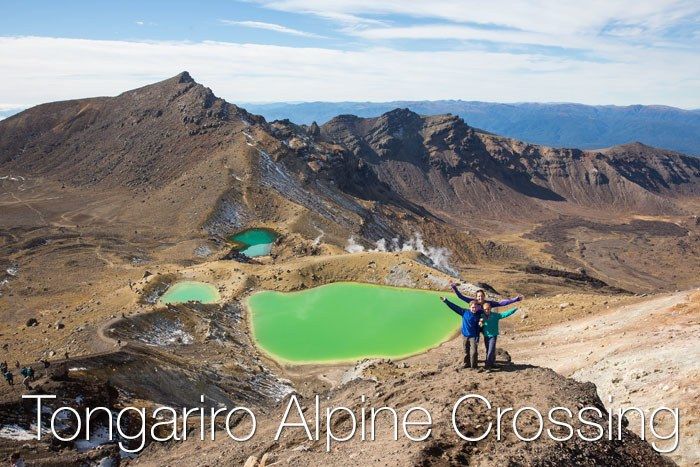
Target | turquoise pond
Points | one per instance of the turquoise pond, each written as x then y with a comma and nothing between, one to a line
190,291
254,242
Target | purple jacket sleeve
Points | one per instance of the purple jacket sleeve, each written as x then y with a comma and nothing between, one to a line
505,302
460,296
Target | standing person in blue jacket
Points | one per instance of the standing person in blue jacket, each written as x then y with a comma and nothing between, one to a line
470,330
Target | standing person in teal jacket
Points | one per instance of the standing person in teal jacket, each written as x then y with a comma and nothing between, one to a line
489,322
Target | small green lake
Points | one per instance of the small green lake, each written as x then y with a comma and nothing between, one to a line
190,291
254,242
349,321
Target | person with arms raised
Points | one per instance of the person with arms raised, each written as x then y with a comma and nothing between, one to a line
470,330
489,327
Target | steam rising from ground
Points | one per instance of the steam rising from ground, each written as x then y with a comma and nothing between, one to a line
439,257
321,234
354,247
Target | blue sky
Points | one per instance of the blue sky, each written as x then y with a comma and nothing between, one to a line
157,21
595,52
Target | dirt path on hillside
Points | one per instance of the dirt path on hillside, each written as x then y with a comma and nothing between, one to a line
644,355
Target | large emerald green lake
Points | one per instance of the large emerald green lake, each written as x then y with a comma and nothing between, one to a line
190,291
254,242
348,321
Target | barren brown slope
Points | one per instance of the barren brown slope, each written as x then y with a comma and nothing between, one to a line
177,154
144,137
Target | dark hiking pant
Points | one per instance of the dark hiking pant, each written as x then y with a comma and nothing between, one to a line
490,344
471,351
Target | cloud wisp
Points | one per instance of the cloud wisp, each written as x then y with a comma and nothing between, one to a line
271,27
526,22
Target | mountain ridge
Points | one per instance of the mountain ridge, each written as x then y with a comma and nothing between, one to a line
535,171
436,163
551,124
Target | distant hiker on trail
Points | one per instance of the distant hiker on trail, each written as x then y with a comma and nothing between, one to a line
28,373
490,321
470,330
481,297
9,377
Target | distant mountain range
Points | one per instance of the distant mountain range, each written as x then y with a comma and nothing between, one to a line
557,125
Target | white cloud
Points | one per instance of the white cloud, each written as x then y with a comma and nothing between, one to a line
623,30
461,32
603,47
527,15
270,27
348,20
565,23
41,69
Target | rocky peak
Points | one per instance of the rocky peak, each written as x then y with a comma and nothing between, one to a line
341,122
397,123
177,84
184,77
399,115
313,130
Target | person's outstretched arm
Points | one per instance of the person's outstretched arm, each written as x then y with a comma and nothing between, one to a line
459,294
506,301
459,310
507,313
